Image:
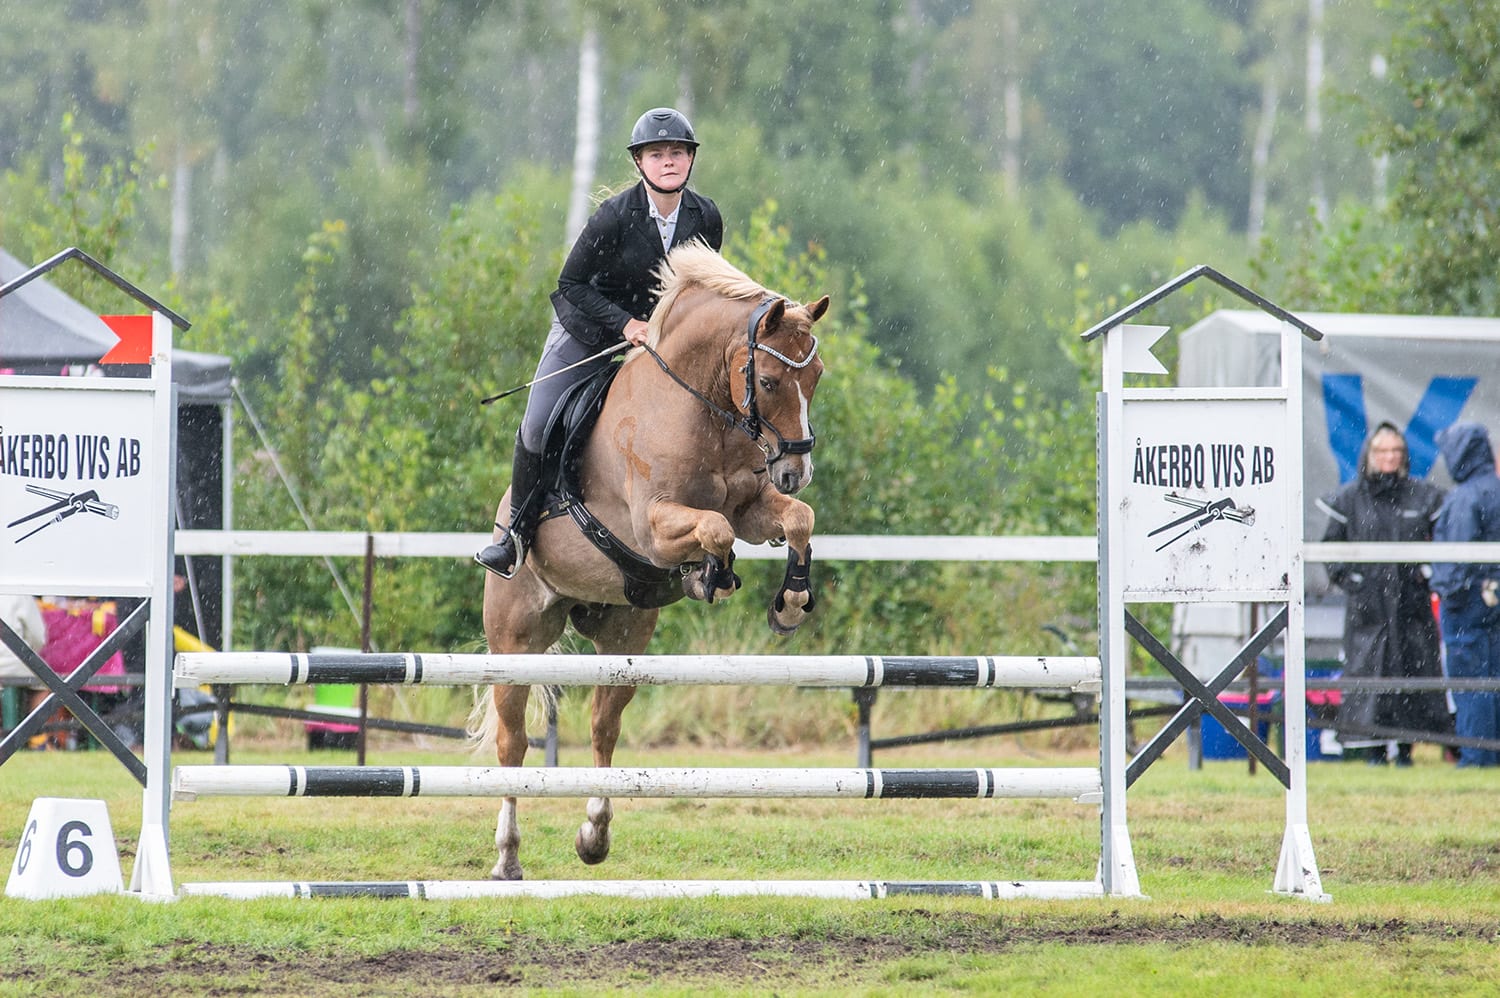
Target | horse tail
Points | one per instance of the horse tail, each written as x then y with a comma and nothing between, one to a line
483,723
482,727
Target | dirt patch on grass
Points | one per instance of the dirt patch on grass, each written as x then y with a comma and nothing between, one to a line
467,965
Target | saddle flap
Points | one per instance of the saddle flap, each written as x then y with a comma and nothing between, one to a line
569,426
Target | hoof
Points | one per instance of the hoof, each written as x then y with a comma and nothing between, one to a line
711,580
780,629
507,871
591,845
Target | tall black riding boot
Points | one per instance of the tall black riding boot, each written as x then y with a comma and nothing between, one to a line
505,555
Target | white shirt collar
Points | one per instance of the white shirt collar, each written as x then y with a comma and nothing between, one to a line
666,225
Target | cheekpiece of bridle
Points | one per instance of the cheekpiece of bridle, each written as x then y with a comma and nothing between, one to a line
751,424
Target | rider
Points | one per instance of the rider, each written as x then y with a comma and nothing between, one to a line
605,295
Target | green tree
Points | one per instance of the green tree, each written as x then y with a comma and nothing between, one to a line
1425,248
408,451
1446,142
1148,110
95,209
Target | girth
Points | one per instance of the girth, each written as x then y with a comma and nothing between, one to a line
647,586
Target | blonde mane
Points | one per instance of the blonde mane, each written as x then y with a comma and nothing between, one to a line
695,264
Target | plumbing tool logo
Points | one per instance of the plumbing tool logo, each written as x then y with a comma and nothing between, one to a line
1201,513
61,506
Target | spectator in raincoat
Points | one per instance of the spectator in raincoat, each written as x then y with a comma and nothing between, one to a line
1471,606
1389,630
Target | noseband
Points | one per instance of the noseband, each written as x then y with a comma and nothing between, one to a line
751,424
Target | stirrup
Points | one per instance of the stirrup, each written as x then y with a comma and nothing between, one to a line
504,556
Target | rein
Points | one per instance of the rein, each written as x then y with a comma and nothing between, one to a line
752,425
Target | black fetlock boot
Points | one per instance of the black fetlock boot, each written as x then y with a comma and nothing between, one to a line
506,555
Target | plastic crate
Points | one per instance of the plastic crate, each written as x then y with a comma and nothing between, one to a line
333,699
1220,744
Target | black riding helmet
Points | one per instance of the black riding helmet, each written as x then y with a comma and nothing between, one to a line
662,124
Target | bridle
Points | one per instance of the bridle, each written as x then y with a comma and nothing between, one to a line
752,424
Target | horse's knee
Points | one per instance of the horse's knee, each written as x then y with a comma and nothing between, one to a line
797,521
716,536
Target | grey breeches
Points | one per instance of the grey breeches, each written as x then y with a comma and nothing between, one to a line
559,351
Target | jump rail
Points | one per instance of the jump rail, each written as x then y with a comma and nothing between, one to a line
840,890
1078,673
1082,785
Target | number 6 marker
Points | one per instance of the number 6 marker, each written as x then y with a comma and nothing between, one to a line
67,850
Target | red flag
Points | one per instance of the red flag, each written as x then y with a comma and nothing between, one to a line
134,332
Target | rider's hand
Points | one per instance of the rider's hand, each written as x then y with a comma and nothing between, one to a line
635,332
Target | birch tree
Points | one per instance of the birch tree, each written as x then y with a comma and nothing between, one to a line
1314,107
586,144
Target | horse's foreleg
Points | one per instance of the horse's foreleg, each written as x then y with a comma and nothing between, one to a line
683,534
510,749
794,600
592,843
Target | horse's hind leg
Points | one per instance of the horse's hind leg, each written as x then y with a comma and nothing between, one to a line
509,705
614,630
518,618
592,843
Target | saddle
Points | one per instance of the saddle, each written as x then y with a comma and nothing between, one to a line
647,586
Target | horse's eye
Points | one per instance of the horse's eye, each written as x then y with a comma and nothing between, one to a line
769,384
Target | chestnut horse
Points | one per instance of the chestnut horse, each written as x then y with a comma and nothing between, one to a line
704,436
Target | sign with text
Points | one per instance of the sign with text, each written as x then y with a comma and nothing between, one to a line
77,470
1203,506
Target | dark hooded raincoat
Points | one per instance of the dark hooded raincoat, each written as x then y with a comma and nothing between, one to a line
1389,629
1471,627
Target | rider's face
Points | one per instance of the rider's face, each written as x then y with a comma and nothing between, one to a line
665,164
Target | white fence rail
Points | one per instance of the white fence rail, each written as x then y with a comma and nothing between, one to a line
836,547
844,547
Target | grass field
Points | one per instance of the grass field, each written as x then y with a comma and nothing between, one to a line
1411,858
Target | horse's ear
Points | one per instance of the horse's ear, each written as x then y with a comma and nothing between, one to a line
818,309
775,314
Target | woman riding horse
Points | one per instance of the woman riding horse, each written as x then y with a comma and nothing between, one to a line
604,295
704,437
